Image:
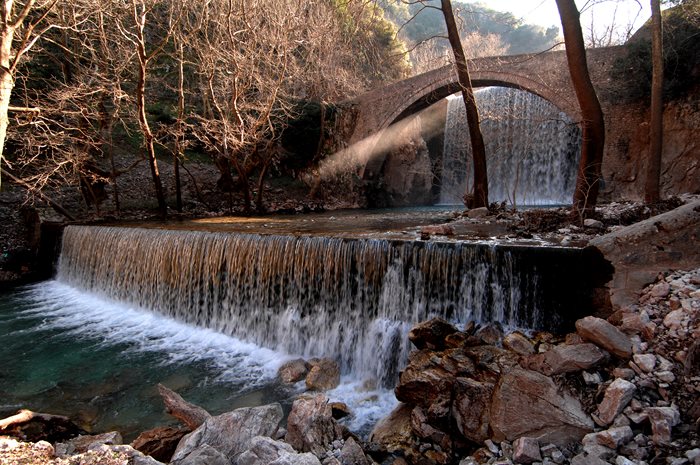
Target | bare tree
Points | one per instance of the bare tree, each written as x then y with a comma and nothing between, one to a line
479,197
593,125
652,186
13,19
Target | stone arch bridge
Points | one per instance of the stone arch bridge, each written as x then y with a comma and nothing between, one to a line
545,74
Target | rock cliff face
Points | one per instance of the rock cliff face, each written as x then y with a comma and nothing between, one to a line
627,149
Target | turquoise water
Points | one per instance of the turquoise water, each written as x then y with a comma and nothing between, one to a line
67,352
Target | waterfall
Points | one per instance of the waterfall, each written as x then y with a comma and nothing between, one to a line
350,299
532,149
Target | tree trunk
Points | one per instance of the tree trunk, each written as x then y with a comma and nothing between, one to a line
7,83
652,189
180,120
592,123
141,105
481,188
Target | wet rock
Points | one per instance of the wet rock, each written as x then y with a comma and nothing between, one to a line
617,396
323,375
293,371
394,431
340,410
264,451
527,403
310,425
490,334
431,334
352,454
471,408
567,359
605,335
662,419
526,450
229,434
159,443
518,343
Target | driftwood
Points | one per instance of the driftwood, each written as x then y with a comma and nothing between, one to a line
190,415
34,426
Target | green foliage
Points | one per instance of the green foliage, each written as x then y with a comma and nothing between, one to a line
632,73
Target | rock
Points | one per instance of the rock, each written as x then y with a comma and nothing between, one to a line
394,431
526,450
605,335
83,443
323,375
611,438
567,359
478,212
490,334
471,408
674,319
616,398
660,290
662,419
203,454
424,382
229,434
134,457
621,460
431,334
646,362
264,451
624,373
582,459
666,376
437,230
293,371
595,224
340,410
352,454
159,443
518,343
527,403
310,425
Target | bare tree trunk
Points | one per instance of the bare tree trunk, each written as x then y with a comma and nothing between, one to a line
593,124
140,18
652,186
180,120
481,187
7,81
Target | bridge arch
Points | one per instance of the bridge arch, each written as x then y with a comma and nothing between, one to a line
432,92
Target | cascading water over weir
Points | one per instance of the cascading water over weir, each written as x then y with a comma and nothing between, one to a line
532,149
351,299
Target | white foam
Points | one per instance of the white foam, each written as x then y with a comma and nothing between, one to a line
367,405
88,316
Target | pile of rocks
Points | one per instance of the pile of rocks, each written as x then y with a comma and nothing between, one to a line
622,390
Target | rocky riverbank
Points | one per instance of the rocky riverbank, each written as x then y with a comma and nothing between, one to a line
617,391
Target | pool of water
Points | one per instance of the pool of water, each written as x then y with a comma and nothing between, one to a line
97,361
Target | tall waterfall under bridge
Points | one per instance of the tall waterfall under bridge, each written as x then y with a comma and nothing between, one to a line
545,74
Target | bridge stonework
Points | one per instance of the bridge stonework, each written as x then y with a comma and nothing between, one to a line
547,75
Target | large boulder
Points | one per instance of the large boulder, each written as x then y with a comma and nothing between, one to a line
323,375
605,335
471,408
431,334
394,432
566,359
527,403
293,370
426,380
310,425
230,433
266,451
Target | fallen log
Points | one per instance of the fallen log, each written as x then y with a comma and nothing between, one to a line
189,414
33,426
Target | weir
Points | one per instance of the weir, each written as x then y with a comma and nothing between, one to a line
532,149
350,299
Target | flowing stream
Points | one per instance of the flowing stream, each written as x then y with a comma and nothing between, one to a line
532,149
